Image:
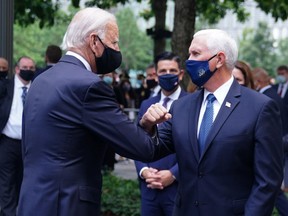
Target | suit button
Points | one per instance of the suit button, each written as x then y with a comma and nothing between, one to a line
200,174
196,203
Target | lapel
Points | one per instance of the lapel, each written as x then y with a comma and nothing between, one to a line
192,120
228,106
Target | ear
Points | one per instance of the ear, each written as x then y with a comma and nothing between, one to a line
221,59
94,44
181,74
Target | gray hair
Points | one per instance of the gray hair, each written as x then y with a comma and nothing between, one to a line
85,22
218,40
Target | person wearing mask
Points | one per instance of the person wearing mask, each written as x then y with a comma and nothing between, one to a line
160,202
262,83
52,56
151,82
281,88
70,116
4,68
226,137
11,109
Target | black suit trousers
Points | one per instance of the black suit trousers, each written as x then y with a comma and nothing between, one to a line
11,173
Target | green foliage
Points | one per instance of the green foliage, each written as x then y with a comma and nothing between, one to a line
32,41
28,12
257,48
120,197
135,45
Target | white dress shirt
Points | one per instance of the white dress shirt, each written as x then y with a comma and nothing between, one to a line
13,128
220,95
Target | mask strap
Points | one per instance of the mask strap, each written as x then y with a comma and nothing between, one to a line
212,57
101,42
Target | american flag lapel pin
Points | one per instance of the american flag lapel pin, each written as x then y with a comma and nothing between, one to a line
228,104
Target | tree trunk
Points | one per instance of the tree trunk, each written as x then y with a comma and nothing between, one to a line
159,8
184,26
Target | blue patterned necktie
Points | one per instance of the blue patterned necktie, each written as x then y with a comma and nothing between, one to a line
24,94
206,123
166,99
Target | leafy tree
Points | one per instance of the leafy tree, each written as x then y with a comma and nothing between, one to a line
257,48
135,45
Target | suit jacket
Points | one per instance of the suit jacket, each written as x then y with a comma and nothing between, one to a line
41,70
69,115
6,98
167,163
240,170
270,92
285,98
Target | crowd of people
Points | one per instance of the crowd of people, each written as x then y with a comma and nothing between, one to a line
218,147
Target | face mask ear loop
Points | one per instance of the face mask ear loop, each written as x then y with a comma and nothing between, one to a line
212,57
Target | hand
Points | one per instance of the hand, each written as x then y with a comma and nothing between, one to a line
164,179
155,114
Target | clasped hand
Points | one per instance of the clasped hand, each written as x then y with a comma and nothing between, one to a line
157,179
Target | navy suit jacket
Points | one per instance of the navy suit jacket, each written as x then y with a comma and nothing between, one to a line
69,115
270,92
241,168
285,98
167,163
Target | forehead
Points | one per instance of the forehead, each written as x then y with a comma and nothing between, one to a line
199,44
112,30
3,62
166,64
26,61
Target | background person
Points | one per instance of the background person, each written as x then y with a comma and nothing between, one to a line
160,202
242,73
11,108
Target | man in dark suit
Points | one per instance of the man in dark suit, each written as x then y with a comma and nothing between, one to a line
262,83
226,136
69,116
160,202
52,56
12,98
4,68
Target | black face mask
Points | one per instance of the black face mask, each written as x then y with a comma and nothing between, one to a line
3,74
26,75
151,83
109,61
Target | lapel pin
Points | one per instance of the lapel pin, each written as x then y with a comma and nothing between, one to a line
228,104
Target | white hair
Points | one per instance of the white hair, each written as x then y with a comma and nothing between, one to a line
218,40
85,22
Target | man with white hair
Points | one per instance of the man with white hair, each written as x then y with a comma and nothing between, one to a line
226,137
69,118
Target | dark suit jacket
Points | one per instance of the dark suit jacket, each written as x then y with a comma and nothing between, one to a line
285,99
270,92
41,70
6,98
167,163
66,121
240,170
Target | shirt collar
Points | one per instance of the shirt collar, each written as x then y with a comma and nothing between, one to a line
19,84
83,60
221,92
174,96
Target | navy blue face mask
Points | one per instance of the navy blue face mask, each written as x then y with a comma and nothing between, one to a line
168,82
199,71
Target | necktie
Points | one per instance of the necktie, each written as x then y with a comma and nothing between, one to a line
206,123
24,93
166,99
280,90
